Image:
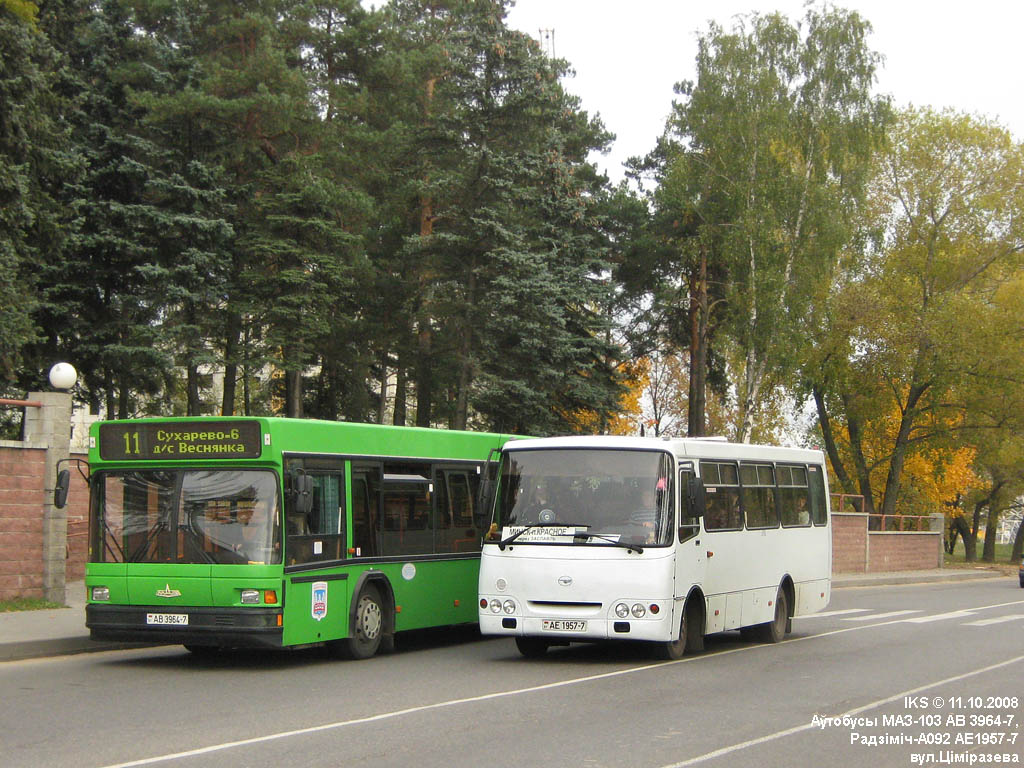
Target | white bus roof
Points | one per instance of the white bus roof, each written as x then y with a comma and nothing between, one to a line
682,447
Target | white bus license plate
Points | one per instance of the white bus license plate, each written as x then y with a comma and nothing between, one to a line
167,618
560,625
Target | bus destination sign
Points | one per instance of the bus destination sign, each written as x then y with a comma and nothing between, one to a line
180,440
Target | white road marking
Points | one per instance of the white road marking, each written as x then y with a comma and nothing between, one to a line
997,620
808,726
562,684
938,617
874,616
832,613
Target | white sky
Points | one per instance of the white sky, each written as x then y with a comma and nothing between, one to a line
629,53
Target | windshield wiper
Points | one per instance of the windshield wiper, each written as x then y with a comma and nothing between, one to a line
584,535
504,542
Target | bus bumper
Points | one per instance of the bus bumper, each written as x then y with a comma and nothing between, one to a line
649,628
228,627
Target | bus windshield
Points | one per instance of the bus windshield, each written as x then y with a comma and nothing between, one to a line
614,495
186,516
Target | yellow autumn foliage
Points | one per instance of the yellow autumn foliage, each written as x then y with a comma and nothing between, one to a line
635,376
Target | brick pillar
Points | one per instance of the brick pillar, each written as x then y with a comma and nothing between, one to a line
51,425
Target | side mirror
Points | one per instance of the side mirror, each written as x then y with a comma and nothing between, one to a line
485,498
301,491
60,491
695,497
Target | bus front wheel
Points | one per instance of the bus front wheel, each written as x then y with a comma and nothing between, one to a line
368,631
532,647
673,649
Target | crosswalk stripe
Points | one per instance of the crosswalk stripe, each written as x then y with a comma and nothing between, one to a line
939,617
832,613
996,620
874,616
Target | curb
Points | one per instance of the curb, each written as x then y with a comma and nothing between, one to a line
60,646
890,579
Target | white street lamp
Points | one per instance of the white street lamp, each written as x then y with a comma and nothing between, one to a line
63,376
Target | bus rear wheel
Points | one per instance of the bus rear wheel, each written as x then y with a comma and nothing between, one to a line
368,631
775,630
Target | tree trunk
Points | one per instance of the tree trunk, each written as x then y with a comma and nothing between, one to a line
853,428
192,387
122,402
1018,543
382,400
400,416
971,536
970,540
988,552
697,402
899,453
424,375
830,442
231,336
293,394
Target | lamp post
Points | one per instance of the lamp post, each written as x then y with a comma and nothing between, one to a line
49,426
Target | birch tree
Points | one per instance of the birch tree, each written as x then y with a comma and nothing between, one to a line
779,126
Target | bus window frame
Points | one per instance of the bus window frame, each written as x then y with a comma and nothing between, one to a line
708,490
773,490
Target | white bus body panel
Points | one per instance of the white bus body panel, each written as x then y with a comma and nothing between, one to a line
579,583
738,572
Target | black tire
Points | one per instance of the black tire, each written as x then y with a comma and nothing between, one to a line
775,630
202,651
532,647
671,650
367,631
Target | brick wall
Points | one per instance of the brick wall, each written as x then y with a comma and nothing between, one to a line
849,543
855,549
21,522
904,551
78,522
23,492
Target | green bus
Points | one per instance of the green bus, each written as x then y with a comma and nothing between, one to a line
270,532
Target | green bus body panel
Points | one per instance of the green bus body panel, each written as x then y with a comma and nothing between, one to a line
300,626
427,592
321,437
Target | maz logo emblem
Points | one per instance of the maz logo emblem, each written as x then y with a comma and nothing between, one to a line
168,592
565,581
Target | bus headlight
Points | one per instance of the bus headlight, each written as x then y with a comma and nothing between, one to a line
495,605
509,606
622,610
250,596
100,593
638,611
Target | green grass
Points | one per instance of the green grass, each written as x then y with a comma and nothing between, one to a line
1002,562
27,604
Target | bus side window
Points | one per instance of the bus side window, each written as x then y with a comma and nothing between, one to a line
365,516
406,503
689,525
454,530
819,507
320,535
793,492
758,495
722,509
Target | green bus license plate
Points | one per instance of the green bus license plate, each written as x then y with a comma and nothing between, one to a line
560,625
167,618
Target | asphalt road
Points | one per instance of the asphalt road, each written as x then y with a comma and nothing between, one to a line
887,676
